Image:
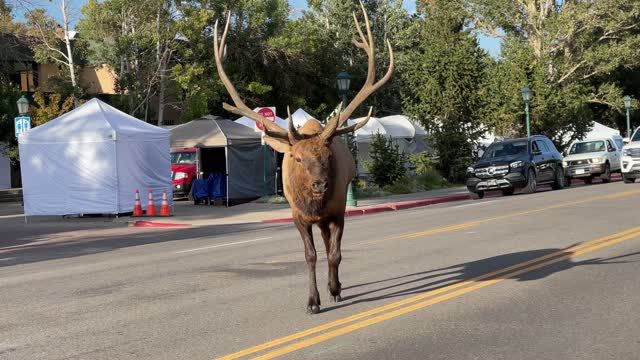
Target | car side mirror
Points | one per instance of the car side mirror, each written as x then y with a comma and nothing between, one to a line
564,152
625,140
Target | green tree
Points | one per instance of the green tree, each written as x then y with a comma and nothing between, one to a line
444,70
9,94
52,42
387,161
569,53
138,39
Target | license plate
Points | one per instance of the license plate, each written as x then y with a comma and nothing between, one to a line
579,171
492,183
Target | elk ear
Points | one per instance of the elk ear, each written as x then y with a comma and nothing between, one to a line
279,145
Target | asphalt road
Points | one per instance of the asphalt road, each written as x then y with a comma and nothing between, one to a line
553,275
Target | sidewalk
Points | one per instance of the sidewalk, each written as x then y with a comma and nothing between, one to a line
187,214
201,215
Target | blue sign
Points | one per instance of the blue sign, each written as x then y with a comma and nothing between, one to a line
22,125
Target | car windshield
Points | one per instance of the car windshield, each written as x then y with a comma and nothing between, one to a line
183,158
506,148
587,147
636,136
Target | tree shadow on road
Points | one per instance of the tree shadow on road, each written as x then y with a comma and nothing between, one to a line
507,266
51,245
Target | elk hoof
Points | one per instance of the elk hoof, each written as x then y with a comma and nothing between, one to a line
335,299
313,309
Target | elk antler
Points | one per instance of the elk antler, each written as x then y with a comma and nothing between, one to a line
369,86
293,134
353,127
271,129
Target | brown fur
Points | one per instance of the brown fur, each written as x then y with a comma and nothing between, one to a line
317,167
305,162
297,181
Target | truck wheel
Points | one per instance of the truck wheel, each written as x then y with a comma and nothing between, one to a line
588,180
508,192
628,180
477,195
532,182
567,181
606,177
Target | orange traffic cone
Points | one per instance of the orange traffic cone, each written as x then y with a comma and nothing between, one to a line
151,205
164,208
137,206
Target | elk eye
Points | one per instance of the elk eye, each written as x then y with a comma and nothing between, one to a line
298,159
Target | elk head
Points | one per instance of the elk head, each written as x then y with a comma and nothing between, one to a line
310,154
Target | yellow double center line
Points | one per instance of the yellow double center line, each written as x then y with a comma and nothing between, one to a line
415,303
501,217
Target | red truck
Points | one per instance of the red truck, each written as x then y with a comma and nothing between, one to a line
183,170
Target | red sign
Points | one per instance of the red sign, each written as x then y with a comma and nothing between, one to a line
269,114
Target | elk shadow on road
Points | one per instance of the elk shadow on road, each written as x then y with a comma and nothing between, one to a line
429,280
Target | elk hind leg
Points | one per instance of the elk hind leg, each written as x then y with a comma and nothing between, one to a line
335,256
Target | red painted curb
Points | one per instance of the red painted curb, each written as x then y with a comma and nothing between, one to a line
376,210
424,202
157,224
388,207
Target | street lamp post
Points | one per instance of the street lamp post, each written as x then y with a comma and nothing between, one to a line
344,81
23,105
627,106
526,96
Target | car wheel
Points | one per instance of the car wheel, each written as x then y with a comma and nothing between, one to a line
559,181
532,182
588,180
606,177
507,192
477,195
628,180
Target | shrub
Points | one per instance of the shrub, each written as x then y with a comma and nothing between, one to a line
387,161
403,185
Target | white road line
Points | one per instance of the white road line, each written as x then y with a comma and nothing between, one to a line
222,245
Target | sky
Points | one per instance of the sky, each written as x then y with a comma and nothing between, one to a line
490,44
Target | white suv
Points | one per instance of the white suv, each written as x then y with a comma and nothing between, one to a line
630,160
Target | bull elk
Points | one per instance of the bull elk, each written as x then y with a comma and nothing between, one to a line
317,166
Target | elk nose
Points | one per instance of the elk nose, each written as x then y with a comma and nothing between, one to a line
319,186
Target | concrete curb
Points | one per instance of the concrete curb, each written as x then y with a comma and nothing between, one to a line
389,207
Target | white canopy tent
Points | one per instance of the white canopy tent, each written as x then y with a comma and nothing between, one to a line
91,161
599,131
407,134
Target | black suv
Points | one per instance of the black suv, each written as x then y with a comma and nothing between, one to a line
519,163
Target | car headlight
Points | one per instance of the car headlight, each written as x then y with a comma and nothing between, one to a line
625,152
516,164
470,170
180,176
565,164
597,160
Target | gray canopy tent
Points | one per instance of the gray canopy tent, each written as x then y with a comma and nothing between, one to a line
233,149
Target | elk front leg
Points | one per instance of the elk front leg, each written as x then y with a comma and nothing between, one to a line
335,256
313,305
